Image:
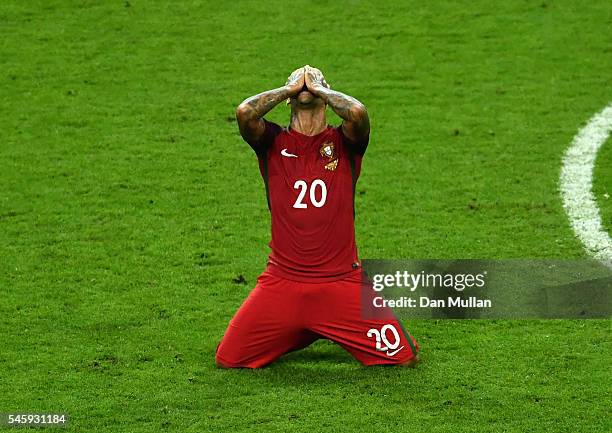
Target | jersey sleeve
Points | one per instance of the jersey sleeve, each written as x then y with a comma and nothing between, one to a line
355,147
262,145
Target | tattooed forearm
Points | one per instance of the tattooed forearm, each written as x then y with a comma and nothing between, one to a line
340,103
257,106
347,107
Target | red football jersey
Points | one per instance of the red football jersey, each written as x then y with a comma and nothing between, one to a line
310,186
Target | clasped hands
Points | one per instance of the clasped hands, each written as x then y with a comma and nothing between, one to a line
306,78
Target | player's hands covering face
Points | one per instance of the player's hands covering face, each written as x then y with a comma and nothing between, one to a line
295,82
314,79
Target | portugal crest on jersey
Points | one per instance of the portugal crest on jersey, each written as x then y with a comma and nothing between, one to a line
327,150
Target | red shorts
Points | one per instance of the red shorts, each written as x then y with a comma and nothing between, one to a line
281,315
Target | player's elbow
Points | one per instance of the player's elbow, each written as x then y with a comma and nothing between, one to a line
358,112
244,113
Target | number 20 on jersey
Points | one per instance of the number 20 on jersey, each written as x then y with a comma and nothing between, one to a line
317,192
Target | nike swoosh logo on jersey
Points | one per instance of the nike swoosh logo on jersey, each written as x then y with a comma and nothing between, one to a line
394,352
287,154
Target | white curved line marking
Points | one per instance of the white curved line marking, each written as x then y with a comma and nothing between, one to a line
576,185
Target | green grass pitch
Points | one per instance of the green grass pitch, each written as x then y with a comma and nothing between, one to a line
130,207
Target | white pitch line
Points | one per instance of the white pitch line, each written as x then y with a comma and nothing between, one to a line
576,186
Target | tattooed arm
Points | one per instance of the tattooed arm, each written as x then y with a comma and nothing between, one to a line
251,111
355,120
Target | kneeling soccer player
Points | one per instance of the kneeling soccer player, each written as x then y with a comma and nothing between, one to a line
312,284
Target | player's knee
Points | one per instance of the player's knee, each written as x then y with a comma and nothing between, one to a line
222,364
411,363
220,360
227,359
